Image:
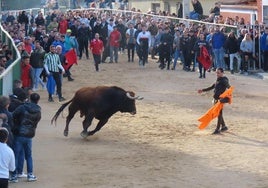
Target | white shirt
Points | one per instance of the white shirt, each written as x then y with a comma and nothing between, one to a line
7,160
145,35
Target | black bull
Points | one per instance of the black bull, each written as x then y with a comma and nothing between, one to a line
100,103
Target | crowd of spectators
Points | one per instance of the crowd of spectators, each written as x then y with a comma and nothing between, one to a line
27,29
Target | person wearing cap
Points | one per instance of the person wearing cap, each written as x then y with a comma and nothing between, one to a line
114,41
7,162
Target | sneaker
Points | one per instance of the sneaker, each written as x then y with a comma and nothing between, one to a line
216,132
13,179
62,99
224,128
50,100
31,177
22,175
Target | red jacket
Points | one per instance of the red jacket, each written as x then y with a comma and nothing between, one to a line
115,38
26,75
96,46
63,26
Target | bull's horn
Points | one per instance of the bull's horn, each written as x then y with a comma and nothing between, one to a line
134,98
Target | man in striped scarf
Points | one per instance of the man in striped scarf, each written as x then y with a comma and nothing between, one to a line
53,67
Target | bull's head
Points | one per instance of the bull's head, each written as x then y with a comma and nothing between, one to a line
129,105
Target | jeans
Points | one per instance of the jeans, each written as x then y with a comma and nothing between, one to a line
37,79
194,15
176,57
23,144
237,56
113,54
219,57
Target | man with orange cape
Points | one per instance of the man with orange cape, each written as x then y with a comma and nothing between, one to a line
222,94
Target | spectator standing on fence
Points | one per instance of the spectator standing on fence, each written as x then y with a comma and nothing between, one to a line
197,13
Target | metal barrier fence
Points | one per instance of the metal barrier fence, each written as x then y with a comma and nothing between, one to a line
13,71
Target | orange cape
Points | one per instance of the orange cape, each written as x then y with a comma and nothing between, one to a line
214,111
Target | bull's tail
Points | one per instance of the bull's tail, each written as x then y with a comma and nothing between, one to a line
55,117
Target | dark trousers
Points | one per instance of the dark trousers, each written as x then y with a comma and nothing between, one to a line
144,54
220,123
265,61
3,183
130,47
57,78
202,70
83,45
97,61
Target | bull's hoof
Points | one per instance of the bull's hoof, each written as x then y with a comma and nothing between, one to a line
65,133
84,134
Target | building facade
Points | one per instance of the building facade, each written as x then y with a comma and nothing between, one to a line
250,10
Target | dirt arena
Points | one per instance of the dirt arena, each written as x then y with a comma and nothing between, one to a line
161,146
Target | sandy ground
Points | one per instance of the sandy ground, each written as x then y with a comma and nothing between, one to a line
161,146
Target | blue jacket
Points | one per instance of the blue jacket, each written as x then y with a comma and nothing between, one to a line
218,40
264,42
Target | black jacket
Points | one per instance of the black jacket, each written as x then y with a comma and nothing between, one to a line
26,118
219,87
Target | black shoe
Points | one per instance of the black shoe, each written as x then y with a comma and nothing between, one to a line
216,132
50,100
204,76
70,79
232,71
224,128
200,76
62,99
64,75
